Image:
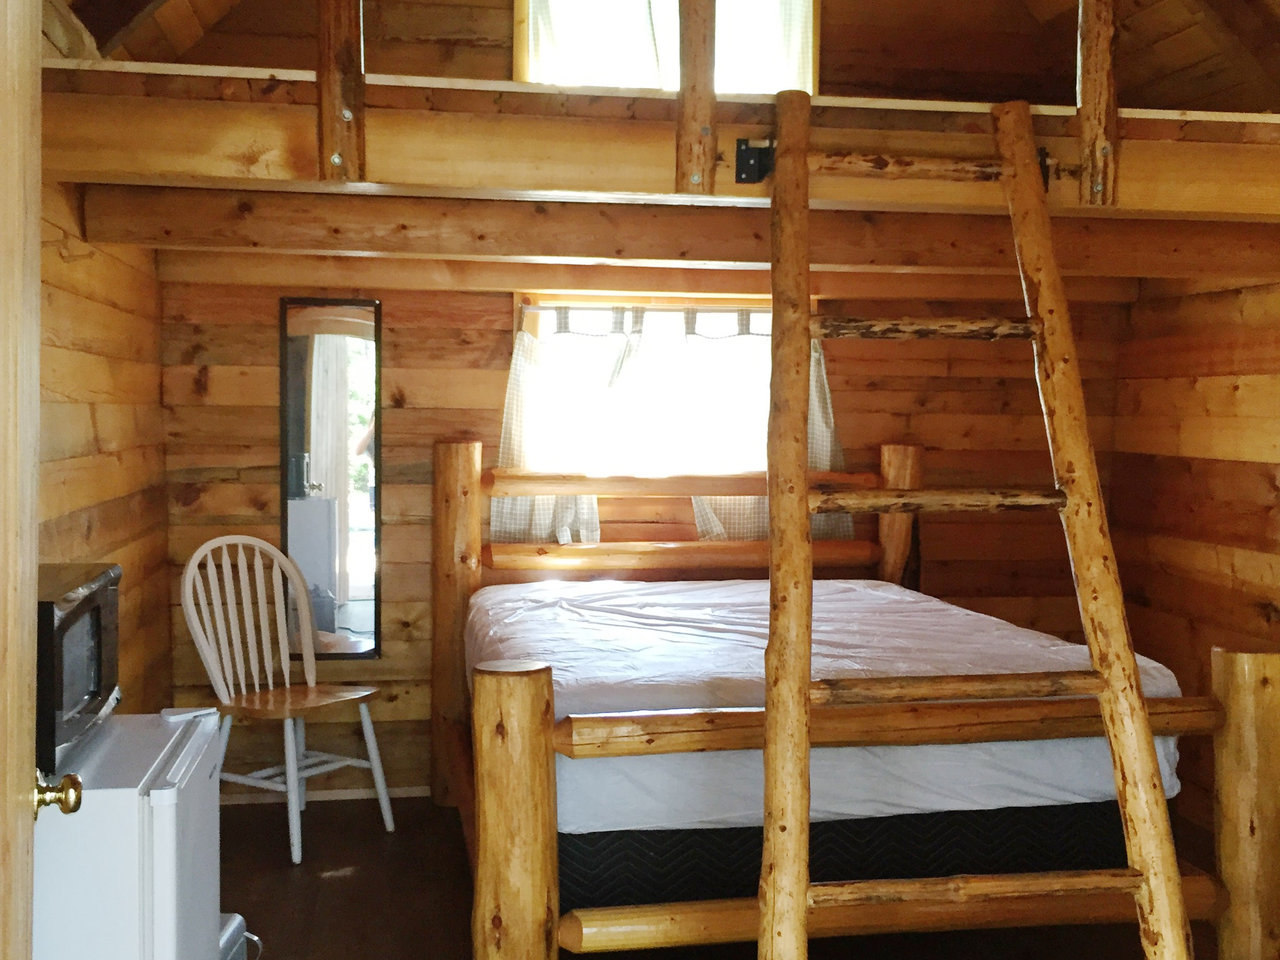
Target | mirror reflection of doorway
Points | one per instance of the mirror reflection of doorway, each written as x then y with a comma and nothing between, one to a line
329,464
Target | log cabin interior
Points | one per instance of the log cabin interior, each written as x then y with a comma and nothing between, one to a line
958,258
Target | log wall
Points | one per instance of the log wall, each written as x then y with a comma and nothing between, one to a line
445,359
102,472
454,38
1196,488
974,407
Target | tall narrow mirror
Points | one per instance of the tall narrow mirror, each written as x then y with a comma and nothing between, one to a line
329,431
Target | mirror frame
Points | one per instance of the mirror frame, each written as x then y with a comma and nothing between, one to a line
366,304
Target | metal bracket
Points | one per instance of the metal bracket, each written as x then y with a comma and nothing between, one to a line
753,161
1042,153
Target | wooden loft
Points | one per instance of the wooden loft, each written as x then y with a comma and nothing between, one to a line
122,123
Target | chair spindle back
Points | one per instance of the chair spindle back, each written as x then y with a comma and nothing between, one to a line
236,594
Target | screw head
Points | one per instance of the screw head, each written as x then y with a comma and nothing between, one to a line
695,178
1106,150
347,115
1097,188
336,160
706,131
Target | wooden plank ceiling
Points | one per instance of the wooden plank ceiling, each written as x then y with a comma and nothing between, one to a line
1181,54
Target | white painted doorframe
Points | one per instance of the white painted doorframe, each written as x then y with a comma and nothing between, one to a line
20,50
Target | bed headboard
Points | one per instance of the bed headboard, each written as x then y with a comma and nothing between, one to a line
461,562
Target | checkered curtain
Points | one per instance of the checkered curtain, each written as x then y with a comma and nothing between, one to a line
533,519
747,518
615,379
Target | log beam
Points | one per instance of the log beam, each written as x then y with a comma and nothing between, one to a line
695,120
991,686
868,725
898,500
654,234
455,575
912,328
784,876
1096,102
502,482
340,90
1246,802
409,273
672,555
606,929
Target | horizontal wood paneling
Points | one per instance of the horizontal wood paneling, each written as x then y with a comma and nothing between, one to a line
445,359
102,469
1196,487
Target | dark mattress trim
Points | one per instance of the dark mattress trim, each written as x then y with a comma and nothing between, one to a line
622,867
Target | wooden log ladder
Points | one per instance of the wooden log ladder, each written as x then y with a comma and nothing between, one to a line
789,903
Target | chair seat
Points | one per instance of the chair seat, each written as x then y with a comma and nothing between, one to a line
284,702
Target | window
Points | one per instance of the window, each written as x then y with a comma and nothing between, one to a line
645,392
762,46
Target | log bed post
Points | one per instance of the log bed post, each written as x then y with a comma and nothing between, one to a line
1096,102
516,912
784,877
1246,803
901,468
455,575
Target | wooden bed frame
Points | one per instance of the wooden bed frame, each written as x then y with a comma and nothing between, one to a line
509,718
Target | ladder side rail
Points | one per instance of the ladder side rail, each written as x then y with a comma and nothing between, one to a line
784,876
1144,812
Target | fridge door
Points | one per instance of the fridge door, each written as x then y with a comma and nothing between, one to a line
183,857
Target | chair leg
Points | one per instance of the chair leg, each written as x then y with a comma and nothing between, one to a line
300,733
291,792
375,764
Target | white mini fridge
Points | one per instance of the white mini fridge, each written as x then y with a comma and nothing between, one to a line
134,875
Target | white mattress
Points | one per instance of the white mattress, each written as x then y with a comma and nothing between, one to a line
617,646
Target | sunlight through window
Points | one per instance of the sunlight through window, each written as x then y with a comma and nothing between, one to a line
762,46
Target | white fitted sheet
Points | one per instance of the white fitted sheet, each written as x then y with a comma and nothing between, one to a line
617,646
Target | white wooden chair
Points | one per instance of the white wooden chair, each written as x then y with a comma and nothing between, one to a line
241,596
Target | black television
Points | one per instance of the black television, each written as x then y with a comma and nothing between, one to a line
77,637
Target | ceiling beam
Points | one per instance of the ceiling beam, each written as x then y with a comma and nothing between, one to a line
655,234
371,274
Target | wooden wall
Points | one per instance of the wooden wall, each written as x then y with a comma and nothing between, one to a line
1196,487
453,38
102,473
445,358
975,408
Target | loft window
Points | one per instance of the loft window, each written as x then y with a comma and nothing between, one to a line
762,46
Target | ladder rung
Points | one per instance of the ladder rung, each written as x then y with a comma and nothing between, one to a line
969,889
983,686
600,929
920,328
932,501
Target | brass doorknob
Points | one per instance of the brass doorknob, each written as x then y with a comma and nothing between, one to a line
67,794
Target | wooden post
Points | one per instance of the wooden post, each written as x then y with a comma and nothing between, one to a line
455,575
19,457
784,878
340,90
1096,102
1161,914
517,900
1246,803
901,468
695,121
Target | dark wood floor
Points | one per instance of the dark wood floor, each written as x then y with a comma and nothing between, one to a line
361,892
